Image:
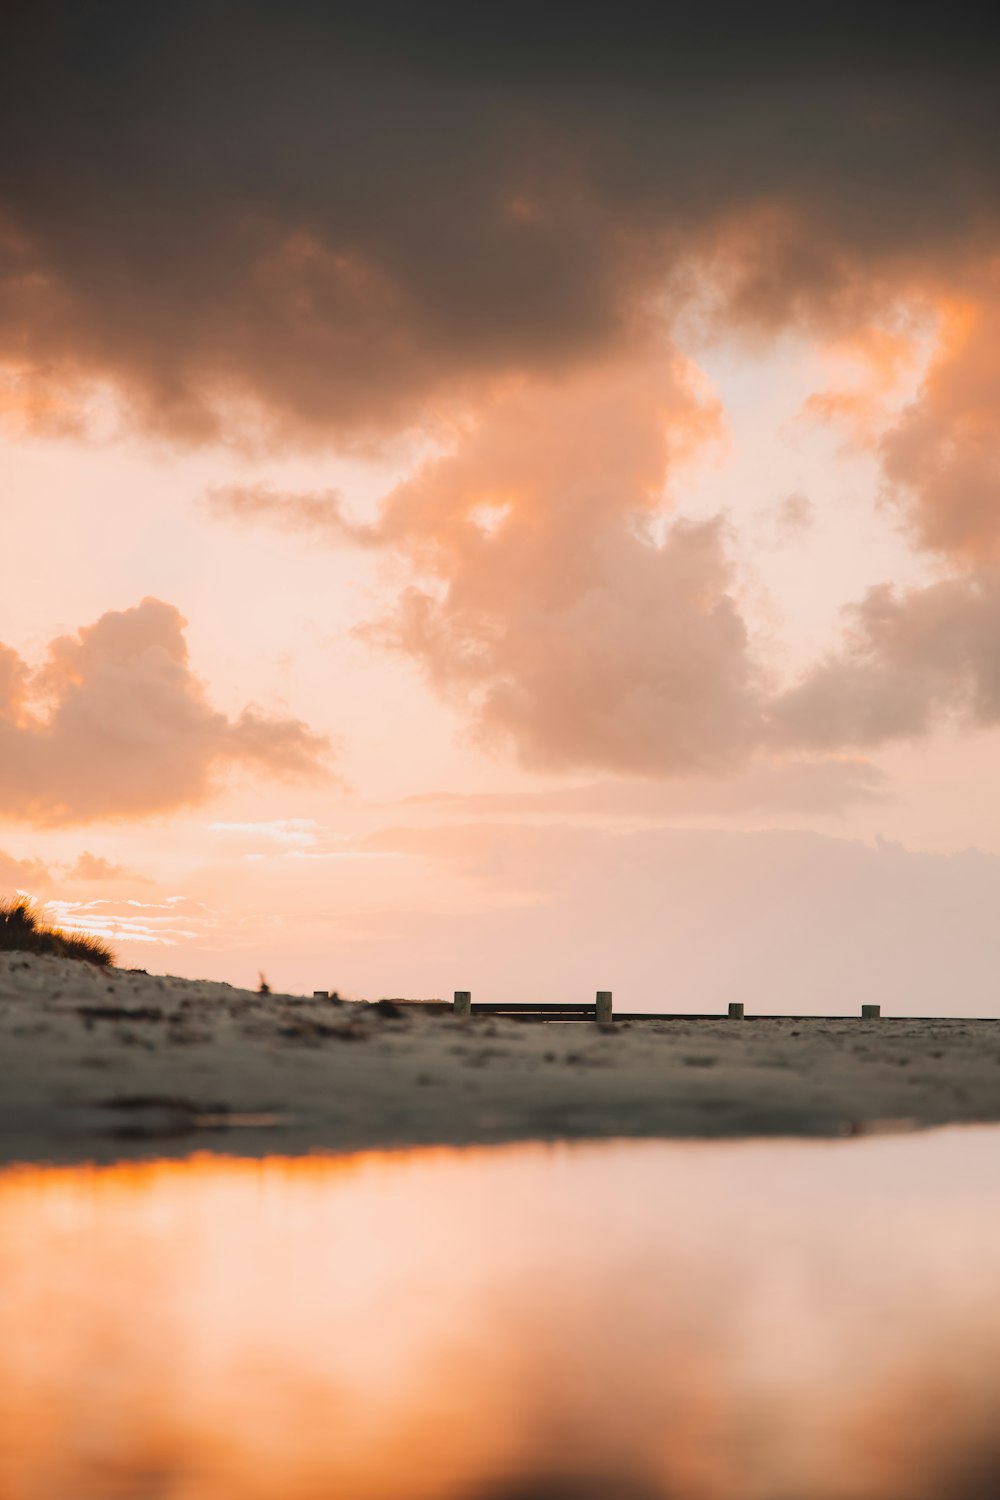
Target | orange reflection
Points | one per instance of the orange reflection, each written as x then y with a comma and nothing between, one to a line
637,1319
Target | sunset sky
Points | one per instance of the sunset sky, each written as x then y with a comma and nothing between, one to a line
506,498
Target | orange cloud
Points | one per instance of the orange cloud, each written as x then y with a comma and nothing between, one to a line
115,724
32,404
548,598
553,599
942,458
911,659
882,358
551,608
95,867
23,874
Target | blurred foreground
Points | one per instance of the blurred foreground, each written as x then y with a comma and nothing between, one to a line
768,1321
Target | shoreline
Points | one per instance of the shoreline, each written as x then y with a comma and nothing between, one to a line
106,1065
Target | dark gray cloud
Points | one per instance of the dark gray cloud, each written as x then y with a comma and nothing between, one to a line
326,219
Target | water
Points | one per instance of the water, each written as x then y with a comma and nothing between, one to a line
768,1321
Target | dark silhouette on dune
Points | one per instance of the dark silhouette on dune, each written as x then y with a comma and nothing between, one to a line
21,931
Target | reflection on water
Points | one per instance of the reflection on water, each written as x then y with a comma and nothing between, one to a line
773,1321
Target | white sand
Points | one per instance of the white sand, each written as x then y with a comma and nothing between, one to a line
212,1067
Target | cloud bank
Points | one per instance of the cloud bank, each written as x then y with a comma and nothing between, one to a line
577,623
329,223
280,224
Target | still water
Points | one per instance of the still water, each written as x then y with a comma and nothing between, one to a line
772,1321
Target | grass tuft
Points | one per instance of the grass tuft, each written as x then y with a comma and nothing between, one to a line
21,931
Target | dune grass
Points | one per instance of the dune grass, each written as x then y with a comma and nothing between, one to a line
21,931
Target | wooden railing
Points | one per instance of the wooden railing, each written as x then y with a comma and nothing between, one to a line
600,1010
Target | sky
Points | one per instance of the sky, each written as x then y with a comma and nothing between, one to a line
506,498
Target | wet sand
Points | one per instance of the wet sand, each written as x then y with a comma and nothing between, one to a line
100,1065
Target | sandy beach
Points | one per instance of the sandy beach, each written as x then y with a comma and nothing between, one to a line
100,1065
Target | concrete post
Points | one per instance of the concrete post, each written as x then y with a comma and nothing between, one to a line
870,1012
604,1014
321,995
463,1003
736,1010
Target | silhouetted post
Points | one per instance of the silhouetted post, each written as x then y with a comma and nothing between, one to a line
870,1012
736,1010
603,1014
463,1003
321,995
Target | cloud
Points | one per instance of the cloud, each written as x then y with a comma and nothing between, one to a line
643,666
784,522
942,458
330,228
320,512
879,357
940,454
286,831
115,724
548,600
576,623
95,867
551,603
555,600
335,224
909,660
178,919
827,786
795,514
23,874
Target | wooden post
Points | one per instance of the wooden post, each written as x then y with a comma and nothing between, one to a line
736,1010
870,1012
604,1014
321,995
463,1003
